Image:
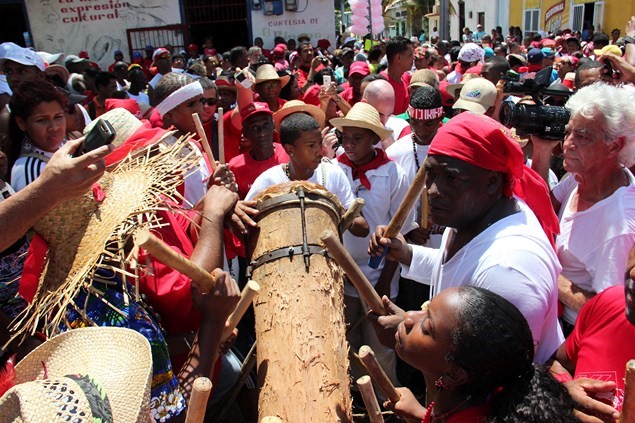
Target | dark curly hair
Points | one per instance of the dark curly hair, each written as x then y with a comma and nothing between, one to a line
22,104
494,345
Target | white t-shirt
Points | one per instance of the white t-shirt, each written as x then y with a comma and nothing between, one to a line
512,258
141,98
593,244
28,167
389,185
402,153
326,174
396,125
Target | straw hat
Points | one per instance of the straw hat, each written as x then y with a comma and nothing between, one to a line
363,115
298,106
124,123
85,234
105,370
267,72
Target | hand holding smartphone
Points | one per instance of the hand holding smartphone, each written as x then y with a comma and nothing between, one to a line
102,134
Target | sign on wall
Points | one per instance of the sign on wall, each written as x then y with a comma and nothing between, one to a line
312,17
96,26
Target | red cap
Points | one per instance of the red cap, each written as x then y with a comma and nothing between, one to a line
279,49
192,47
254,108
129,104
448,100
323,43
83,54
359,68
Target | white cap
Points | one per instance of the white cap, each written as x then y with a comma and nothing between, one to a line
52,59
471,52
24,56
477,95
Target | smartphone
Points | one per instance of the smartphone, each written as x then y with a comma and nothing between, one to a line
244,81
327,80
102,134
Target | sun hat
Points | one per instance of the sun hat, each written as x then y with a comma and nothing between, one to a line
424,78
471,52
58,70
298,106
359,68
24,56
81,375
519,57
363,115
611,48
267,72
477,95
254,108
51,59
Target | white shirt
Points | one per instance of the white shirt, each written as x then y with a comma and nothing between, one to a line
389,186
593,244
155,80
141,98
396,125
512,258
326,174
28,167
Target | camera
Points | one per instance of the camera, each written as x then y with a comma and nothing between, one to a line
545,121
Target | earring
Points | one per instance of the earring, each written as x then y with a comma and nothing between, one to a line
440,384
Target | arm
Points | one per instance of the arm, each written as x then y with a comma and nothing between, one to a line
63,178
309,79
571,295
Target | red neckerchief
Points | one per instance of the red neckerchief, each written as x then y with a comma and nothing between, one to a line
380,159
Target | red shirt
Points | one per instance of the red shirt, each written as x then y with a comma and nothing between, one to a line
246,169
349,96
402,98
301,75
602,341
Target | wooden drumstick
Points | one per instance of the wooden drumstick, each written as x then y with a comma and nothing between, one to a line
370,400
425,208
354,273
351,214
159,250
201,134
397,221
628,407
201,389
246,297
377,374
221,136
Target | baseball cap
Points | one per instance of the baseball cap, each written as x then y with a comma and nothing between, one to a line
346,50
359,68
280,49
21,55
548,52
84,55
489,52
137,55
349,40
535,55
51,59
471,52
477,95
324,43
149,48
548,42
254,108
160,52
71,58
611,48
118,53
519,57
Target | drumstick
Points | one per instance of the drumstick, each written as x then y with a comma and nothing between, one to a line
354,273
201,389
246,297
377,374
201,134
397,221
351,214
159,250
425,208
370,400
221,136
628,407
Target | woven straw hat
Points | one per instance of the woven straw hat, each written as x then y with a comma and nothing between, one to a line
124,123
84,235
298,106
363,115
268,73
81,374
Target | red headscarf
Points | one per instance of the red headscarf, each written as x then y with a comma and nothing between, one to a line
481,141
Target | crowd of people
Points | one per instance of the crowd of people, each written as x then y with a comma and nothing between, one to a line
523,254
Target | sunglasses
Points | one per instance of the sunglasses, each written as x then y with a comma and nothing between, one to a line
209,101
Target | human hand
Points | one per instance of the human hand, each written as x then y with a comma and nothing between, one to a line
316,62
386,326
227,344
66,177
399,250
408,407
418,236
224,177
588,408
626,70
543,146
329,140
241,218
4,165
218,202
217,305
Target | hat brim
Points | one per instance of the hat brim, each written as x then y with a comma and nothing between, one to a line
340,123
284,80
453,88
471,106
315,112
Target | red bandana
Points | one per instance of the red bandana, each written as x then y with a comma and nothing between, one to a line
359,172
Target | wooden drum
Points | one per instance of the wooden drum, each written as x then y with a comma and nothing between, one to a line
302,348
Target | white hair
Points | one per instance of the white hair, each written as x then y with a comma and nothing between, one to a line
615,104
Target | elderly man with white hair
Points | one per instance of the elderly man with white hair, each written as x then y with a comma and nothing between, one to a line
381,96
596,204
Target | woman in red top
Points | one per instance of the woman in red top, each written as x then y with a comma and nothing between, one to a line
475,351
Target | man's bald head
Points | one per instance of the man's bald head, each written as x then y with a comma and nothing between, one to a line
381,96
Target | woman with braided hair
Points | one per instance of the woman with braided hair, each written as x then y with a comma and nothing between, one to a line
475,350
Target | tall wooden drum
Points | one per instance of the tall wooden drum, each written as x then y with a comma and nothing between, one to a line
302,349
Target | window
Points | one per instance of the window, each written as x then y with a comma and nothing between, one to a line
481,19
531,21
578,15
